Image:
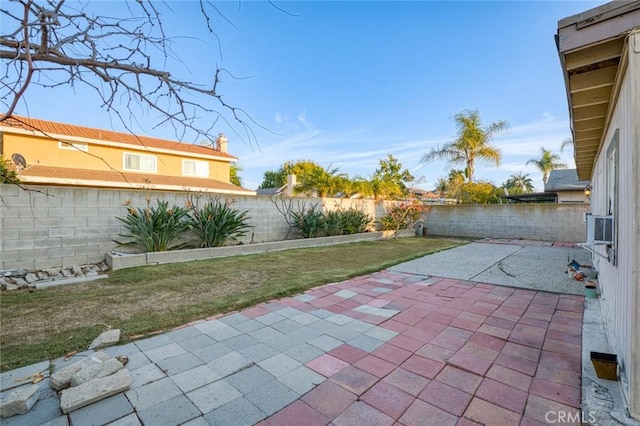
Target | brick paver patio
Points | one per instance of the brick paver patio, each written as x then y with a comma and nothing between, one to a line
382,349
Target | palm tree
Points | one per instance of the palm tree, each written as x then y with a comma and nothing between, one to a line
546,163
565,143
473,142
234,174
321,182
518,183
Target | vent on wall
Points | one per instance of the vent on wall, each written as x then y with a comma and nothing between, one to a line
599,229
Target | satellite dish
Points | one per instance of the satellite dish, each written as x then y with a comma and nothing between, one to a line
19,160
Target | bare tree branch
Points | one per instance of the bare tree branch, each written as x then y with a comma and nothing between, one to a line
124,59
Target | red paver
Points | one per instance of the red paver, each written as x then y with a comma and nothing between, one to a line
409,382
360,413
388,399
459,379
327,365
347,353
376,366
392,354
563,394
424,367
406,342
354,380
291,415
422,413
466,354
485,412
436,353
329,399
509,377
503,395
448,398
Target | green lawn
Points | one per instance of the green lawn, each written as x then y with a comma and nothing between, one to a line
46,324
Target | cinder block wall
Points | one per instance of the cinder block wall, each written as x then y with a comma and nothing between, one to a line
51,226
543,222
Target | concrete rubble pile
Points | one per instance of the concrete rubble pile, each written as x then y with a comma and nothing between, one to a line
95,377
16,279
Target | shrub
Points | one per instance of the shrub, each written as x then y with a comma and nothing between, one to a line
216,222
155,228
354,221
402,216
310,223
8,174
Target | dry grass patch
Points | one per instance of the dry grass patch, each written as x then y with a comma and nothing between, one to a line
49,323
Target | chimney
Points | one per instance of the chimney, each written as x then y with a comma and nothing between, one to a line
221,142
291,184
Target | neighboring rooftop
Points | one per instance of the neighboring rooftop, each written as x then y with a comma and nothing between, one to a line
565,180
114,179
58,130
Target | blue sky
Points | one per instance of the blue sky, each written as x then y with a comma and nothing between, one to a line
346,83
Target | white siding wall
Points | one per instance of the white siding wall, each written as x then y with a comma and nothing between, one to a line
619,284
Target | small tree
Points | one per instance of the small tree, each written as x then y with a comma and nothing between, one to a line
8,173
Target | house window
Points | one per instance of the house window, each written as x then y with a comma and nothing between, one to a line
140,163
195,168
612,194
75,146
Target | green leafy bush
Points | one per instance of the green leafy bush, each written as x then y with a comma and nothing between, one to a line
310,223
155,228
216,222
402,216
8,174
354,221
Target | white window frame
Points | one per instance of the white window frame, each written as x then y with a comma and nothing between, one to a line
74,146
612,174
200,168
141,157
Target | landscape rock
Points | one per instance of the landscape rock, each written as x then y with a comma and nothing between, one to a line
61,379
107,368
19,401
67,273
10,287
94,390
31,277
108,338
20,282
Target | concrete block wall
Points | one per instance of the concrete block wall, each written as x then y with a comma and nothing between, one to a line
52,226
542,222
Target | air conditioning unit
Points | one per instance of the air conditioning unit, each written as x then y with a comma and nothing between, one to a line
599,229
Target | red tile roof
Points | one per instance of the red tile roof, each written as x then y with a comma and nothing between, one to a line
55,128
109,178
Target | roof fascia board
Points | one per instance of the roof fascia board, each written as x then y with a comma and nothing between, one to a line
621,17
127,185
67,138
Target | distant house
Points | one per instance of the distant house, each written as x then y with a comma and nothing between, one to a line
567,186
53,153
600,57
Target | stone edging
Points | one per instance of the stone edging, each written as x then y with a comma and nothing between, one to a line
120,261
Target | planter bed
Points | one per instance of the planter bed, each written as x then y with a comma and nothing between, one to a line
120,261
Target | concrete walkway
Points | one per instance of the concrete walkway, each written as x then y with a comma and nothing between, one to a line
397,347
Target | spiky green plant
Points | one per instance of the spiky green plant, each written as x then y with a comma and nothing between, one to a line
310,223
355,221
217,222
158,228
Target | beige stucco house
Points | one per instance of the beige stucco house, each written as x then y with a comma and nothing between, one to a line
600,56
54,153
